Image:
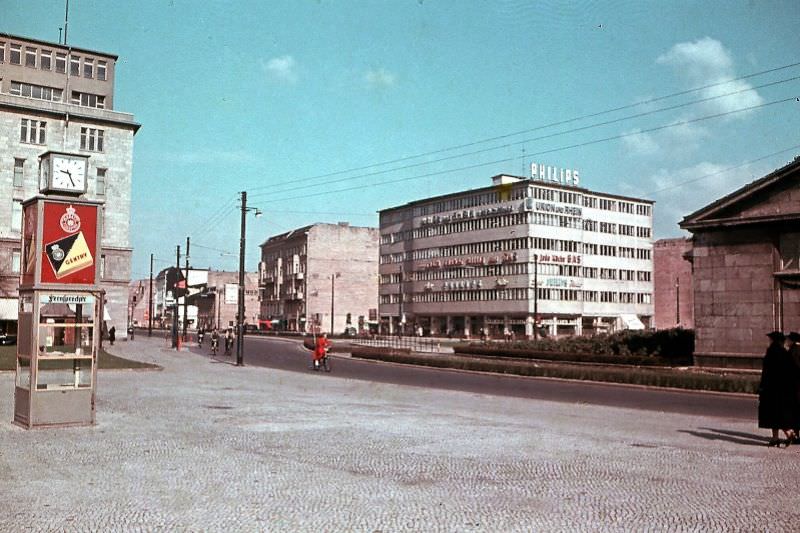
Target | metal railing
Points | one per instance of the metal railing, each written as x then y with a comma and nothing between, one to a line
415,344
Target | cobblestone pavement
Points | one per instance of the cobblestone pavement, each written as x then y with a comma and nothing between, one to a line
204,446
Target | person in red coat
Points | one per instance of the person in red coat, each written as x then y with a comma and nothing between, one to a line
322,347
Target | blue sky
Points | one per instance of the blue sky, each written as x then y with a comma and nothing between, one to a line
284,99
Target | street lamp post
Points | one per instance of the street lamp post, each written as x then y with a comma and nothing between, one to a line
240,311
535,296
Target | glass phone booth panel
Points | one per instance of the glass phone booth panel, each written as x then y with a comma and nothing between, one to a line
56,365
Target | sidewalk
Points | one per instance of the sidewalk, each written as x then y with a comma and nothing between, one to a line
204,446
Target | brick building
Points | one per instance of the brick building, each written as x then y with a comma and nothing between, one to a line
61,98
217,302
745,254
673,295
320,276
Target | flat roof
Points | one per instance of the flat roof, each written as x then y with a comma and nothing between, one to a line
56,45
522,181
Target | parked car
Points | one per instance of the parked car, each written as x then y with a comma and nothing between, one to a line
6,339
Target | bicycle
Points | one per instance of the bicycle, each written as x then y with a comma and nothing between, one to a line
214,344
200,340
323,363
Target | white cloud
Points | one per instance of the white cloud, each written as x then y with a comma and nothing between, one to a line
679,140
380,77
705,62
680,192
282,68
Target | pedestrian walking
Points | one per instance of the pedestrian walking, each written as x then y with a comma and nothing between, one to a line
112,335
794,355
777,393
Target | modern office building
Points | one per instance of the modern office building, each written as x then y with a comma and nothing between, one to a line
60,98
322,277
521,251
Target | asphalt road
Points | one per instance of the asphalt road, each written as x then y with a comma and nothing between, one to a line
289,354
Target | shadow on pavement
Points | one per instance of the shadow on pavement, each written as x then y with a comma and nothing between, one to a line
736,437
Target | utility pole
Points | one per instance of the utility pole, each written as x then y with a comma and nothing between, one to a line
240,312
401,320
535,296
678,301
150,302
186,294
333,277
175,298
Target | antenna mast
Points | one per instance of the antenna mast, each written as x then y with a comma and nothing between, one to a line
66,22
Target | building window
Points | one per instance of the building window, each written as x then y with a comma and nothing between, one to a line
75,65
16,257
38,92
61,62
45,59
16,216
101,70
16,54
32,131
92,139
88,68
19,176
2,52
102,266
100,184
88,100
30,57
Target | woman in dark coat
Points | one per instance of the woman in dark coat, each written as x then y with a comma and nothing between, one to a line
776,394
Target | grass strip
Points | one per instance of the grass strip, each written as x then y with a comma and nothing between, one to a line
105,361
690,379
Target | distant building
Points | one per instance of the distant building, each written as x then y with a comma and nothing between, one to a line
217,303
673,294
139,302
322,277
60,98
518,252
746,266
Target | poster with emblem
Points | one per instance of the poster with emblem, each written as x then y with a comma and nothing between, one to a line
69,238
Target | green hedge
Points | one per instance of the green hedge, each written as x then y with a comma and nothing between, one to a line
672,347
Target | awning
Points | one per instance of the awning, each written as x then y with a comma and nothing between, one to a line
631,322
9,309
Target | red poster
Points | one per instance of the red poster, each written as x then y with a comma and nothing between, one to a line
29,244
69,243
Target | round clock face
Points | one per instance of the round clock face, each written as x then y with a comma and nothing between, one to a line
69,174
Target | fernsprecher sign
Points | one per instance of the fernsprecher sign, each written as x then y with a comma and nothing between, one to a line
564,176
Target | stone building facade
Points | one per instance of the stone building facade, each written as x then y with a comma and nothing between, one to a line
745,255
61,98
321,277
673,294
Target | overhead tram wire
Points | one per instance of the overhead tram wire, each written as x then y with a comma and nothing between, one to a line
541,137
724,170
542,152
544,126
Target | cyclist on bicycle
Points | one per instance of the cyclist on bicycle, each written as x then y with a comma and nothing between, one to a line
321,349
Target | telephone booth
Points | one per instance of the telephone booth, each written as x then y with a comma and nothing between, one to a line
60,313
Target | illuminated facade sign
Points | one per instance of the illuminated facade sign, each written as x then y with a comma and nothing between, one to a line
564,176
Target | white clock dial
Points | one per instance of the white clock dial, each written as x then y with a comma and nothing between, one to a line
69,174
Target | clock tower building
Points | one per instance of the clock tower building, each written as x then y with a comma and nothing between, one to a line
60,133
